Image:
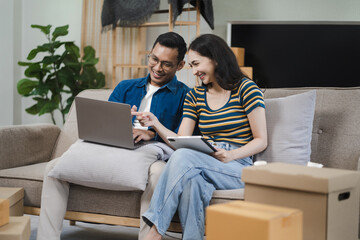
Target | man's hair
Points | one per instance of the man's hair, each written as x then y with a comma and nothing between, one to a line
227,71
172,40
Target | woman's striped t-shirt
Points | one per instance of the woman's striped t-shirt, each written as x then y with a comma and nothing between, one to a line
229,123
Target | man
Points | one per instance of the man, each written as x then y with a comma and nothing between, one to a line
160,93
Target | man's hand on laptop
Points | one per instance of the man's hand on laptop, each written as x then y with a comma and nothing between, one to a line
141,134
133,109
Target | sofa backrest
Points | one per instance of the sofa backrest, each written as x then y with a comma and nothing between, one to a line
336,129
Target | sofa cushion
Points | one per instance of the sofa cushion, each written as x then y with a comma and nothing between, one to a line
289,125
112,203
107,167
228,195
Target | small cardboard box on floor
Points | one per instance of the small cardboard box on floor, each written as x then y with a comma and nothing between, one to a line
18,228
4,211
16,199
329,198
239,220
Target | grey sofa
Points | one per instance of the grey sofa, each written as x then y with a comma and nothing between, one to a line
25,151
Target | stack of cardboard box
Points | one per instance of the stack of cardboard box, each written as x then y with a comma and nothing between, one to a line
328,197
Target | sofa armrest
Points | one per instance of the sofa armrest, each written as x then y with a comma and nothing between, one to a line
26,144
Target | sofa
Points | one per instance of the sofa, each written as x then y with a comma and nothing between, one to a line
25,151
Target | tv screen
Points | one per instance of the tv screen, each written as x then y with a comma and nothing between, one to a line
298,54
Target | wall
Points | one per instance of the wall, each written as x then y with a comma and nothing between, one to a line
291,10
6,47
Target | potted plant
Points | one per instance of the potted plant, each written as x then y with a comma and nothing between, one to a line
61,72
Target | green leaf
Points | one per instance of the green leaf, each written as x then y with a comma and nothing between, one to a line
91,62
34,70
52,45
44,29
89,53
41,90
52,84
25,86
100,80
72,48
33,53
50,59
24,64
69,101
87,76
60,31
72,62
33,109
66,91
48,107
55,98
45,105
66,77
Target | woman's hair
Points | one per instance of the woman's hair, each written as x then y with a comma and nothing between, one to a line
227,71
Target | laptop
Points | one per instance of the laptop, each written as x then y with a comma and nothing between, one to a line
105,122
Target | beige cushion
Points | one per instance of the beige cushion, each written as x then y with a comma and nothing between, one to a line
289,124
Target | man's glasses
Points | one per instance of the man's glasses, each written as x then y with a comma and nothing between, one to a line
165,65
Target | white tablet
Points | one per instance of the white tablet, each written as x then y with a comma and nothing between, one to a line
193,142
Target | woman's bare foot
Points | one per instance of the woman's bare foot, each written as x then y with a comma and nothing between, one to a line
153,234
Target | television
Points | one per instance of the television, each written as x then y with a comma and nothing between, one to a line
299,54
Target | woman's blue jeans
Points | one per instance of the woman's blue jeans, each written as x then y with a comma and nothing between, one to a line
187,184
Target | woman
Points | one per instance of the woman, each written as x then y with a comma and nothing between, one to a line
230,112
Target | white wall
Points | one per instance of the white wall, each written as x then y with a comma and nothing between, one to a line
288,10
6,76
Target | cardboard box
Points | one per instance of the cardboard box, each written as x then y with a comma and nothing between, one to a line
16,199
17,229
239,220
248,71
329,198
240,55
4,211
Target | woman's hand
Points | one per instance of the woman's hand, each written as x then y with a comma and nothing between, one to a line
146,119
223,155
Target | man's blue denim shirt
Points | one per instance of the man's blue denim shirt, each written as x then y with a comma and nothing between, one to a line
167,102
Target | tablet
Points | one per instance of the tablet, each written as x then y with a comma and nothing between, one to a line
193,142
